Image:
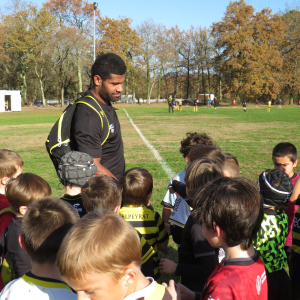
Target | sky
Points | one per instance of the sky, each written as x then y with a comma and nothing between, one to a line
174,12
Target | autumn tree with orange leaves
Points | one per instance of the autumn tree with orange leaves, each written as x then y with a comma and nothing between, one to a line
249,59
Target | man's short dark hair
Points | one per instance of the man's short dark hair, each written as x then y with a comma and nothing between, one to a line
44,227
137,184
285,149
107,64
193,139
233,204
101,192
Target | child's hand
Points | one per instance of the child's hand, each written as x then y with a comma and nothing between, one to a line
167,266
186,294
172,289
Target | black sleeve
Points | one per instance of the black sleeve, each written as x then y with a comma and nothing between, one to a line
176,232
86,128
204,261
179,188
298,200
2,242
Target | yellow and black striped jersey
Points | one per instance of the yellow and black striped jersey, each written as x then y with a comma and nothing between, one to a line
147,222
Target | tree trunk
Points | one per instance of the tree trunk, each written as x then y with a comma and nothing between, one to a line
291,99
203,82
41,84
198,79
159,83
167,89
79,75
188,80
62,91
148,83
208,77
175,84
133,85
220,89
23,86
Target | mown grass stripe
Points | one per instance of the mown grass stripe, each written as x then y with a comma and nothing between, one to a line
163,163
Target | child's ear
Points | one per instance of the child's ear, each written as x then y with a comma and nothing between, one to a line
130,275
226,174
21,242
148,196
4,180
117,209
295,163
23,210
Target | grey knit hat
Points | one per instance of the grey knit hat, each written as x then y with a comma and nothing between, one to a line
76,168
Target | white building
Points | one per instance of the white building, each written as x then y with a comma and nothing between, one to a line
10,101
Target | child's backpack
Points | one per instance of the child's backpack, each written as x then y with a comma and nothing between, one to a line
58,141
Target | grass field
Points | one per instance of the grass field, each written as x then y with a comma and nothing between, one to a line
249,136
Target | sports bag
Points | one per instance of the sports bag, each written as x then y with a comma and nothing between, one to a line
58,141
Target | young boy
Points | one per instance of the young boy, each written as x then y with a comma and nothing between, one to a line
231,166
285,159
104,192
196,258
44,226
107,253
74,170
21,192
231,214
137,189
275,187
11,165
191,140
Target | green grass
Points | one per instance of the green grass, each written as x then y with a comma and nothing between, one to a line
249,136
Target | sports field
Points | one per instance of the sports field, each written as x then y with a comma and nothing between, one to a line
249,136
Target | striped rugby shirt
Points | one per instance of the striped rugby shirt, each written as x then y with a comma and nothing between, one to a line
150,225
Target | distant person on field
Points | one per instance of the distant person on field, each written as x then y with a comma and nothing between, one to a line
137,190
275,187
230,214
104,192
195,104
74,170
244,105
186,103
196,258
234,103
256,103
42,241
100,258
285,158
269,106
180,104
279,103
21,192
209,103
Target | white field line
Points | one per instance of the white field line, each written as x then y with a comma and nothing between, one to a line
164,165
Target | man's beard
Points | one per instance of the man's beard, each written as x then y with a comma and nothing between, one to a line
108,97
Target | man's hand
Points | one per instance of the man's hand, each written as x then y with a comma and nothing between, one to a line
172,289
167,266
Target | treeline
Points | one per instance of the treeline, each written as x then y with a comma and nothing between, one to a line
47,53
